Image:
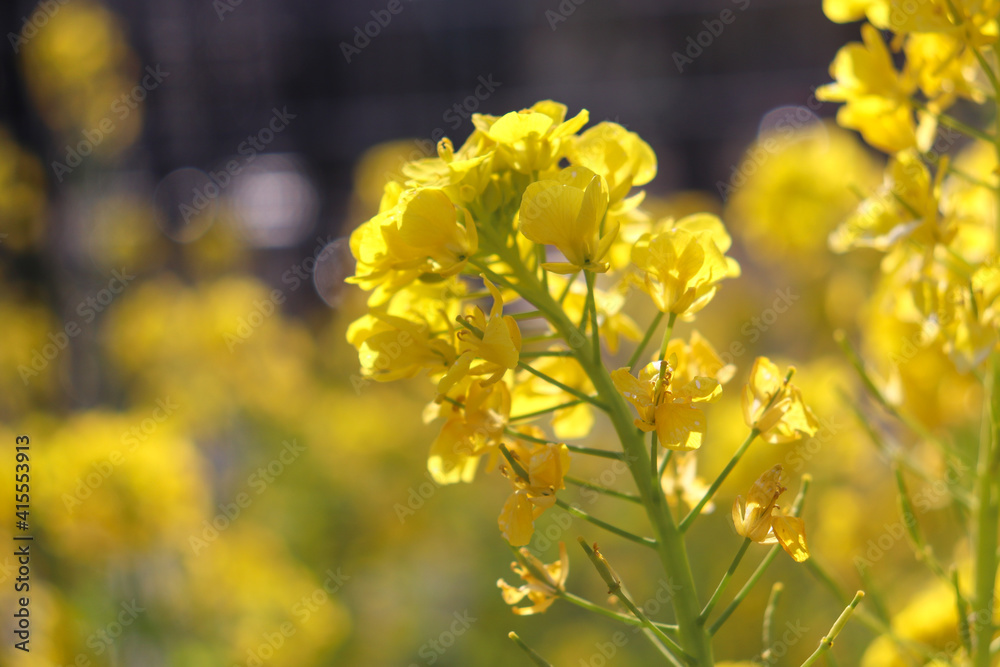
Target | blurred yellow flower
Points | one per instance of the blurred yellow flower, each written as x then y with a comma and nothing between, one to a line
546,465
774,407
789,177
542,583
531,394
876,96
475,424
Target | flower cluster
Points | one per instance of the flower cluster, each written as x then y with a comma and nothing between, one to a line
921,68
934,216
538,217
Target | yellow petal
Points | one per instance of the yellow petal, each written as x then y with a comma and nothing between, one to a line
791,534
516,519
680,426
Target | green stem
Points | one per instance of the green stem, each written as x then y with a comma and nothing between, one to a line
602,489
900,458
754,432
875,624
827,642
543,411
725,580
611,528
696,510
534,354
987,514
565,387
535,657
669,540
767,633
634,359
595,334
658,387
590,451
908,421
920,546
615,588
764,564
583,603
600,453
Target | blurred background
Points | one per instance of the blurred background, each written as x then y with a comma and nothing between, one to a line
211,484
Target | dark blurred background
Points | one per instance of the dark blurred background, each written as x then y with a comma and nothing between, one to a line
231,64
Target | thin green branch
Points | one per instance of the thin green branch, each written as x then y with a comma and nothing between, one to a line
611,528
764,564
575,481
534,354
724,581
569,390
909,422
535,657
583,603
634,359
543,411
767,631
615,588
754,432
827,642
595,332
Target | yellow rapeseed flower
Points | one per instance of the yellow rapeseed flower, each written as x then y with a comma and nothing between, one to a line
788,418
567,212
494,342
531,140
542,583
473,428
546,465
672,413
761,520
620,156
681,267
876,96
